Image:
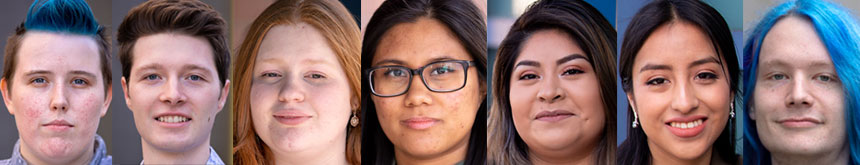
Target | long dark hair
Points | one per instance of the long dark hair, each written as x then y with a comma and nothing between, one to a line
582,23
635,149
467,24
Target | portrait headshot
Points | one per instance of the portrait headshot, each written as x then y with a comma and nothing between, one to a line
56,84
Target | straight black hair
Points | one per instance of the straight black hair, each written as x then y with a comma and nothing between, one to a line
464,19
635,149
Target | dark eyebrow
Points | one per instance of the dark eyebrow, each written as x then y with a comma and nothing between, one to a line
704,61
527,63
655,67
403,63
570,58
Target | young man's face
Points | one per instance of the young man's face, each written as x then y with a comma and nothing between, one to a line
57,96
174,91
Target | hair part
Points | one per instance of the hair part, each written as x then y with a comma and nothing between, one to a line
582,23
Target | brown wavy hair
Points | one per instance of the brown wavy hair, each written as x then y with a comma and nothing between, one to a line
583,23
342,33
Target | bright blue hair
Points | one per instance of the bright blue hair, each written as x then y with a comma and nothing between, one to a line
70,16
838,30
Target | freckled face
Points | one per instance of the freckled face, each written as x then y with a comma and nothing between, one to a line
57,96
444,120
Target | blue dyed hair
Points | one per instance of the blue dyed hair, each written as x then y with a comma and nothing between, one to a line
72,16
838,30
59,16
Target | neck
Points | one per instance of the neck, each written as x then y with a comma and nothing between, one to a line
196,155
833,157
573,156
83,158
333,153
662,157
451,156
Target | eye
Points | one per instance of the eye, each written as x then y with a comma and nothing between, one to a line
395,73
195,78
442,70
656,81
778,77
79,82
824,78
151,77
39,80
269,74
572,72
706,75
528,77
315,76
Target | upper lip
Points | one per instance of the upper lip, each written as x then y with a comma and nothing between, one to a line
419,119
553,113
799,119
59,122
686,118
290,113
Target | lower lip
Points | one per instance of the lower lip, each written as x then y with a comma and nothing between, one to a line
295,120
689,132
798,124
554,118
419,124
58,128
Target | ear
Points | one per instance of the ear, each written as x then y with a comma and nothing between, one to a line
752,111
108,98
124,85
4,88
354,104
632,103
223,96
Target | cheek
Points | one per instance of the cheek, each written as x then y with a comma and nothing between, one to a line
387,107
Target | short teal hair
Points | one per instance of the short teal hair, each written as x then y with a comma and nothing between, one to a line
59,16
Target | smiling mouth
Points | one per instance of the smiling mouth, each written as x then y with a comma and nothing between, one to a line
686,125
173,119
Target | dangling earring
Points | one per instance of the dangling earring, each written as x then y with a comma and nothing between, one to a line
635,118
732,113
354,120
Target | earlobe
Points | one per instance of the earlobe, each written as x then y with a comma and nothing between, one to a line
4,88
108,98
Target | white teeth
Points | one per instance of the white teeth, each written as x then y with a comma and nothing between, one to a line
172,119
687,124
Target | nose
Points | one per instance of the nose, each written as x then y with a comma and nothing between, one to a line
550,92
59,102
799,96
291,91
417,94
684,99
172,92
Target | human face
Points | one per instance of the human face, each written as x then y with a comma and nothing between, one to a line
680,92
555,97
422,123
798,105
174,91
300,95
57,97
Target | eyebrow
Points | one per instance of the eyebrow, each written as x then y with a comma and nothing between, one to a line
37,72
85,73
570,58
194,67
527,63
667,67
704,61
400,62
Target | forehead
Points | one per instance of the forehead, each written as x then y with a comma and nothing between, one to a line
419,43
295,43
793,38
549,45
52,51
172,49
675,43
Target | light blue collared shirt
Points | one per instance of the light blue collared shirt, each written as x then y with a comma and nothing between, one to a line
100,156
213,157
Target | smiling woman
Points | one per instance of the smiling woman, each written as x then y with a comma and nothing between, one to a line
681,76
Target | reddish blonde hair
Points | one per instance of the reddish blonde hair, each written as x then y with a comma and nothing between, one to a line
337,26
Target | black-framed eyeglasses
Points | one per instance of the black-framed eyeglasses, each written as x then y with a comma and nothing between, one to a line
440,76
